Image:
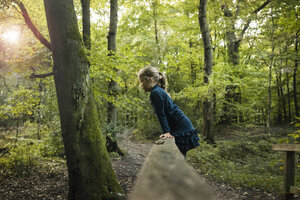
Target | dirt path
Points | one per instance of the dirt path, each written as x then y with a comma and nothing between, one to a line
127,168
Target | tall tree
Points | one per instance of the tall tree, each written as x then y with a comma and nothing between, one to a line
90,173
86,23
154,6
111,142
112,47
234,40
208,64
270,73
295,74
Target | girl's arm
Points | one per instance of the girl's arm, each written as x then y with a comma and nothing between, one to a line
157,100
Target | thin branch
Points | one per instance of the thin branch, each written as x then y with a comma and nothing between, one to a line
246,26
4,151
4,82
237,10
33,75
31,25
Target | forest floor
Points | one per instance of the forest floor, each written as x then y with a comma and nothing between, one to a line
53,184
128,167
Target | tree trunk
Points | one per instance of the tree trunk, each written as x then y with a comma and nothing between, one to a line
233,47
270,97
270,77
192,64
279,114
158,57
288,97
283,104
295,76
111,142
208,64
86,23
287,84
4,83
90,172
234,40
112,46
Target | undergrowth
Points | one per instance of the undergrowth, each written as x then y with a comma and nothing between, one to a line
246,159
23,154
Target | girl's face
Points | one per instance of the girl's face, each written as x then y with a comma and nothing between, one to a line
147,84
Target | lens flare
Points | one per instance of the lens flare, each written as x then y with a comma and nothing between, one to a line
11,36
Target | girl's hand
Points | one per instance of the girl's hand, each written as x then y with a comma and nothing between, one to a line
166,135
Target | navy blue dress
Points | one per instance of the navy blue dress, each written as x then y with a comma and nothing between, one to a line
172,120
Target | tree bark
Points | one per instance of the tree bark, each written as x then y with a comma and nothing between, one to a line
86,23
270,97
279,111
295,76
192,64
155,16
90,172
282,97
270,76
112,47
208,64
289,118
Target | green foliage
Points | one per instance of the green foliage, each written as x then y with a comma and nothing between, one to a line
110,130
294,137
23,102
53,143
245,162
26,152
24,157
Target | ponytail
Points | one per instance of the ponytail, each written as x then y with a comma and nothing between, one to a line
162,81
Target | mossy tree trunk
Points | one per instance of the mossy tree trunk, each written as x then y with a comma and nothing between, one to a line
90,172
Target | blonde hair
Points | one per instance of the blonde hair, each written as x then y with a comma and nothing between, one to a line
151,72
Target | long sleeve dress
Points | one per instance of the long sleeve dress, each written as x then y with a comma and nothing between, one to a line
172,120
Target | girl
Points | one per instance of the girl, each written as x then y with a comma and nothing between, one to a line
173,121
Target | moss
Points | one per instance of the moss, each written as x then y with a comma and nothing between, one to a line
73,30
83,56
74,34
96,166
78,93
